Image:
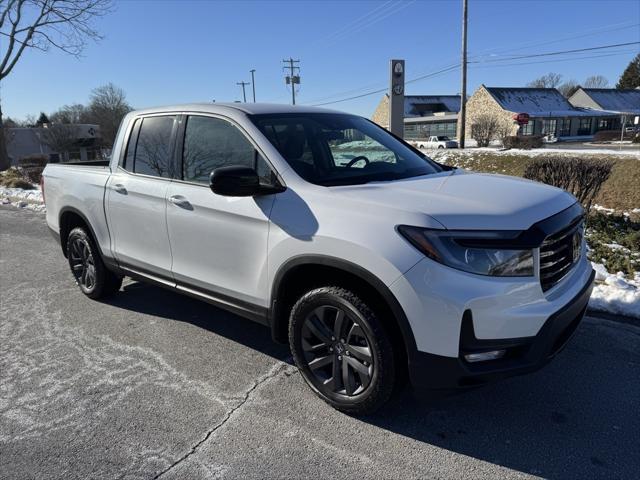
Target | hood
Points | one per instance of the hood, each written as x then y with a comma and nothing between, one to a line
462,200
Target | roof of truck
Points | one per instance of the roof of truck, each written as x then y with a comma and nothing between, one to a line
249,108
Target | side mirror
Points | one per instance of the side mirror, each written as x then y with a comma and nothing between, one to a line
235,181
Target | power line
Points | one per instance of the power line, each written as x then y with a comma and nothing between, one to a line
580,34
552,61
422,77
547,54
476,62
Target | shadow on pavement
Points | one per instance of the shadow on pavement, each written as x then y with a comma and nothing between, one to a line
576,418
160,302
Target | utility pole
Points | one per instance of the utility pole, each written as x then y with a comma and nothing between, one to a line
292,79
253,83
463,95
244,95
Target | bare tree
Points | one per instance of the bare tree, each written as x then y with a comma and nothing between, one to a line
596,81
60,137
568,88
107,106
484,129
550,80
42,24
76,113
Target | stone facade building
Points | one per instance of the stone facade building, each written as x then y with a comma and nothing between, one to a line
549,112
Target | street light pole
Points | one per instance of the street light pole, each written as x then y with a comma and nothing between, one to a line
253,83
244,95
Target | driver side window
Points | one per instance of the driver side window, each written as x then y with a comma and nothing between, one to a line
210,143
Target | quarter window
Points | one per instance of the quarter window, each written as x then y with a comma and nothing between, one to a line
210,143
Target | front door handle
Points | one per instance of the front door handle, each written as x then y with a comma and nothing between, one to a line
180,201
118,187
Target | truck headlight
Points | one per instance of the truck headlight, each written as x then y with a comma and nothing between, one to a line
480,252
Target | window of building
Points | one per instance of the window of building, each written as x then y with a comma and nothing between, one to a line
210,143
606,124
584,126
529,128
152,151
564,127
549,126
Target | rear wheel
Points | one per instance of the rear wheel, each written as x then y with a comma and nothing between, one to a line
87,267
341,350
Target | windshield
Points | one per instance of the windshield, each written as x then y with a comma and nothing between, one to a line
339,149
443,139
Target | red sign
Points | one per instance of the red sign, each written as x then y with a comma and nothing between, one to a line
521,118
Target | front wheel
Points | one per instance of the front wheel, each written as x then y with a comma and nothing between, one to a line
87,267
342,350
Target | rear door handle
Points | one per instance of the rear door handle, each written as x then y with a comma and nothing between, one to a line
180,201
118,187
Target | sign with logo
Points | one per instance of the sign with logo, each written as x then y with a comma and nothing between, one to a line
521,118
396,97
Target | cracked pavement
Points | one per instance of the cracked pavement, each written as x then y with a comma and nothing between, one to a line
156,385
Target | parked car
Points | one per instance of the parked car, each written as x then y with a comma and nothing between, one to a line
440,141
369,259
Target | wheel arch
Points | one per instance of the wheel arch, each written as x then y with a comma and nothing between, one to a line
70,218
287,287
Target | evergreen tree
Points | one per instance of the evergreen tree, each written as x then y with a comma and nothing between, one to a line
630,78
42,119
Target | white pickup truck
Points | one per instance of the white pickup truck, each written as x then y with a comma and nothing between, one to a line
440,141
368,258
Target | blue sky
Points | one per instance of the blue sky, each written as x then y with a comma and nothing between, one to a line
163,52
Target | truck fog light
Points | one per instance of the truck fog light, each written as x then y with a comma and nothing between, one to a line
484,356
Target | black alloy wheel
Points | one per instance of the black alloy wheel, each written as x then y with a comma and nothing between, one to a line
82,263
342,350
337,351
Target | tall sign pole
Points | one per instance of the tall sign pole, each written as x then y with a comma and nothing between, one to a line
463,94
396,98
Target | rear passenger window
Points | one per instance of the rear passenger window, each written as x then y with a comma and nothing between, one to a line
210,143
151,154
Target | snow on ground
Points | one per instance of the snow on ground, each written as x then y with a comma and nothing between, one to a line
615,294
612,292
20,198
632,152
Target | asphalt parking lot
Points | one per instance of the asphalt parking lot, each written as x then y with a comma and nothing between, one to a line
153,384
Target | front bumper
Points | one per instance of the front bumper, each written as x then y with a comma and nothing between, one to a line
524,355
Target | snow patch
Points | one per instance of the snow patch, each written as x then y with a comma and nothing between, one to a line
613,293
20,198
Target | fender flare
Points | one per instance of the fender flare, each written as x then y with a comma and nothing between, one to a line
275,320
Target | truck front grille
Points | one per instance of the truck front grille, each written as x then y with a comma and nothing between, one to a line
558,253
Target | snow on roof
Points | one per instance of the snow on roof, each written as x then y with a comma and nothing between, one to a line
531,100
624,101
418,105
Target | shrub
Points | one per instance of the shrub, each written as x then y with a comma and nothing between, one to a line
32,166
579,176
484,129
525,143
18,183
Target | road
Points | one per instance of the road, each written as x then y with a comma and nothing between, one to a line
152,384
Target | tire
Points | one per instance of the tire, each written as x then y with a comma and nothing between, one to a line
342,350
87,267
440,146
